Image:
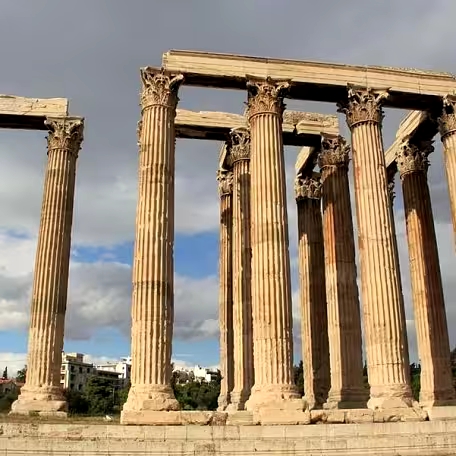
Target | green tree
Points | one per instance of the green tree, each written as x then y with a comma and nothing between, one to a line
298,377
198,395
5,373
122,396
6,399
100,393
415,380
21,375
78,404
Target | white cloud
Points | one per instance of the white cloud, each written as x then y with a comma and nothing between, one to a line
13,361
99,296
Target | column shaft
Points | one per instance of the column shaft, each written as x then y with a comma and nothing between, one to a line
153,269
447,124
427,291
383,307
239,158
42,391
314,320
344,318
226,288
271,287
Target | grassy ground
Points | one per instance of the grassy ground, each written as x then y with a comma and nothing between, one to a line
72,419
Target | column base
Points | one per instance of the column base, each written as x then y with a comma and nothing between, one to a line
390,398
172,418
347,399
317,400
276,397
445,413
151,397
45,401
223,401
238,401
437,403
437,398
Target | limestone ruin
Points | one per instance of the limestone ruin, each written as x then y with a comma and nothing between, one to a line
255,288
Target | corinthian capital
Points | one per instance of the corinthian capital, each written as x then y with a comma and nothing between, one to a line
334,153
225,181
266,96
159,87
447,121
239,146
363,105
308,187
65,133
413,158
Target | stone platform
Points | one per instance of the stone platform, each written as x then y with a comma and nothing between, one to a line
286,417
426,438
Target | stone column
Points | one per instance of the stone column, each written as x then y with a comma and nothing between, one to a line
153,269
314,320
271,286
390,176
42,391
427,291
344,319
239,160
447,126
383,306
225,180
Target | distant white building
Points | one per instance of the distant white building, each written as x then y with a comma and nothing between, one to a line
200,374
75,373
122,368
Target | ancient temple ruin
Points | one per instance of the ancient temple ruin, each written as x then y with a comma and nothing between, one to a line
255,287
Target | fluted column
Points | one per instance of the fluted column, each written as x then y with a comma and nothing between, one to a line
383,306
427,291
271,286
153,269
42,391
447,126
314,319
239,159
225,180
344,319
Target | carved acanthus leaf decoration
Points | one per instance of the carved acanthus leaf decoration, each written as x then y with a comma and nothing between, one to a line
447,121
159,87
334,153
307,188
266,96
66,133
239,146
225,180
413,158
363,105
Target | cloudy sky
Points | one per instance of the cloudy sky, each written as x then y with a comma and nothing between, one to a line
91,52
